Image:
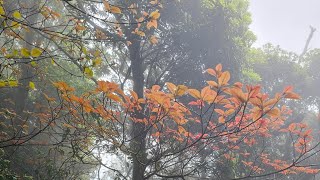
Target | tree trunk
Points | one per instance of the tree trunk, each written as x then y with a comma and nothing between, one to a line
138,143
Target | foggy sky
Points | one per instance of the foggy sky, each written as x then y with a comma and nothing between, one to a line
285,22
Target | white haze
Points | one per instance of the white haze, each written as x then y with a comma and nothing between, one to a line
286,23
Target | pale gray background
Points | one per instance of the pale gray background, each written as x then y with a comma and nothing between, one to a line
285,22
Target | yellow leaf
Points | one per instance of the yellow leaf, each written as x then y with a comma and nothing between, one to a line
15,24
25,52
155,15
31,85
88,72
15,52
2,11
2,84
36,52
96,62
115,10
13,83
106,5
17,15
33,63
194,93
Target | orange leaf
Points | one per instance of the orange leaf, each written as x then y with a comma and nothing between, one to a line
155,15
155,88
256,114
292,127
230,111
106,5
205,91
224,78
129,43
238,85
172,88
181,90
212,84
48,98
238,94
219,111
275,112
114,97
152,23
153,40
270,102
67,125
194,93
140,33
181,130
291,95
219,67
80,28
211,72
288,89
134,95
221,120
115,10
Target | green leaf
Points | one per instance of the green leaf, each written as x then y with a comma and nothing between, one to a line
84,50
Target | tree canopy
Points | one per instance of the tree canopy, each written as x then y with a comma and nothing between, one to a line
98,89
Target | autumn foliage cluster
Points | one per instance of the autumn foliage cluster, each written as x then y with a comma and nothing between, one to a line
58,112
225,121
